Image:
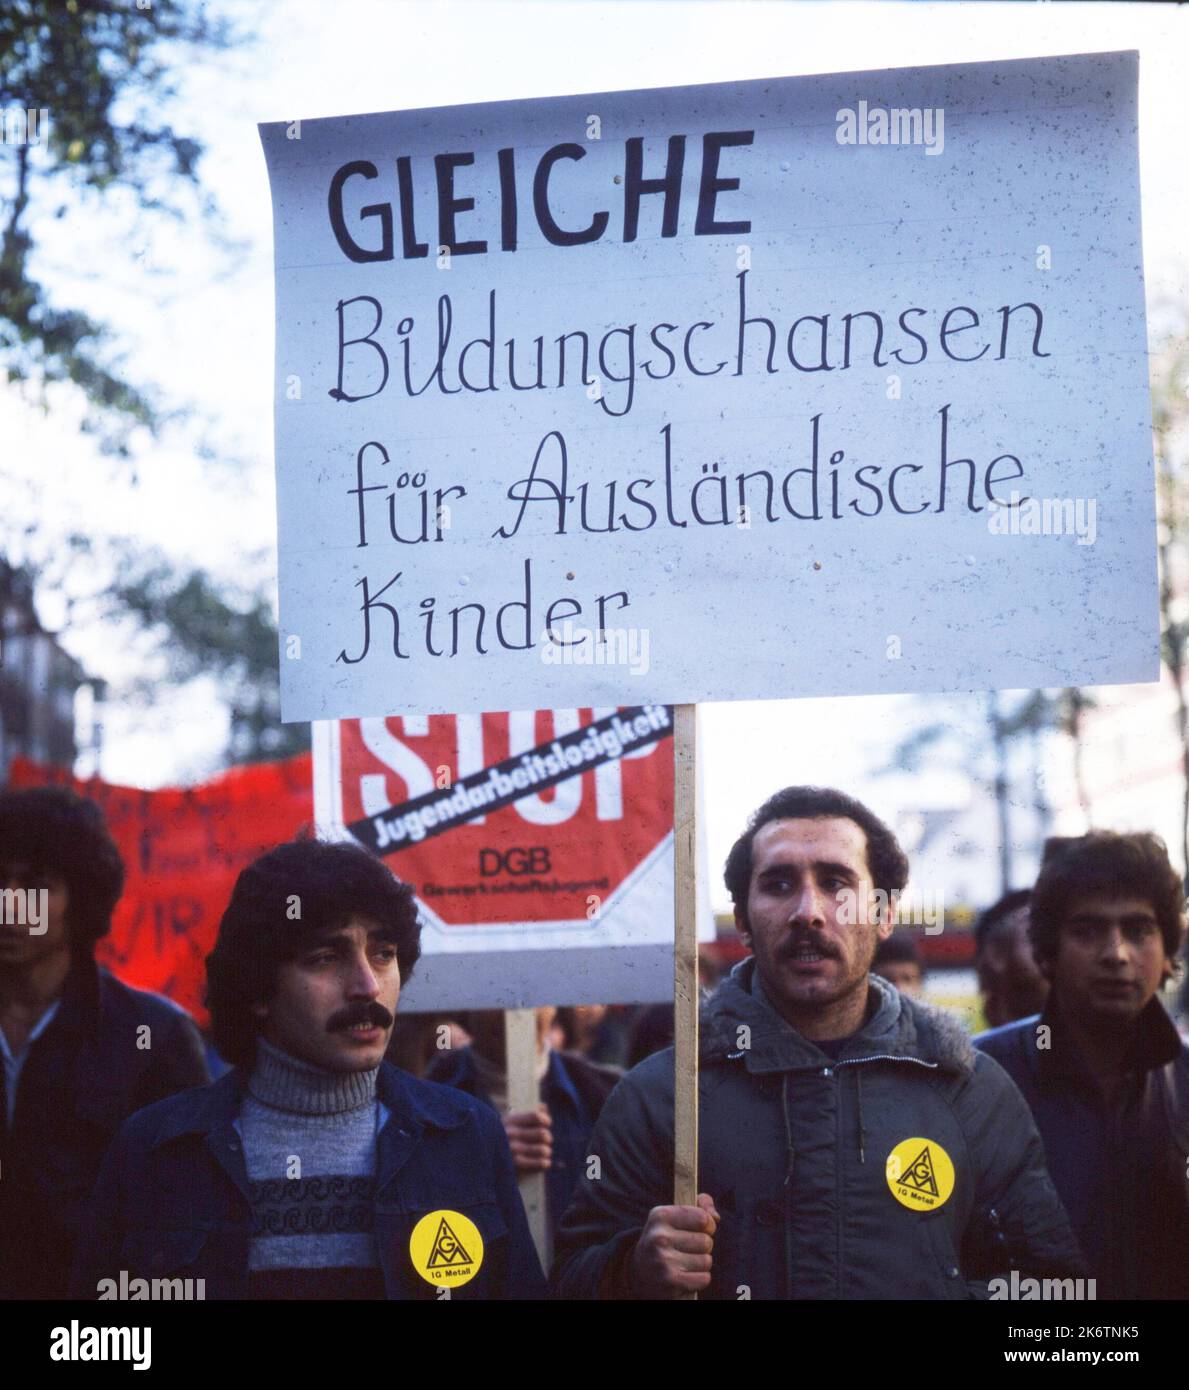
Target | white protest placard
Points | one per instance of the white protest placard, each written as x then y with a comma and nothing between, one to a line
819,385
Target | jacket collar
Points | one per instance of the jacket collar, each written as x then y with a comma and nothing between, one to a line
897,1029
1157,1043
419,1104
203,1110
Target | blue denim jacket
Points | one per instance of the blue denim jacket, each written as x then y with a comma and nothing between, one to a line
172,1196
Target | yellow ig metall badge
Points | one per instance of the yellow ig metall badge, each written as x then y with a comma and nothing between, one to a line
920,1174
446,1249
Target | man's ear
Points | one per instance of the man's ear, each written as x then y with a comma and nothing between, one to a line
741,926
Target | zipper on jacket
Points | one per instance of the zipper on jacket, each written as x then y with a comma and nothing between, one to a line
791,1155
881,1057
886,1057
790,1152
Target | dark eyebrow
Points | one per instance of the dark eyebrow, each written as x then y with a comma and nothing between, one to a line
825,866
1090,917
338,937
820,866
323,940
778,869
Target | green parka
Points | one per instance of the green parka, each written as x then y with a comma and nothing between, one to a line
794,1148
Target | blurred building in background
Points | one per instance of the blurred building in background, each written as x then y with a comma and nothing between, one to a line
1132,766
43,689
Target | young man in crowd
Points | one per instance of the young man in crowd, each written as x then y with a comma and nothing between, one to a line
852,1142
1009,980
899,962
313,1169
81,1051
1103,1068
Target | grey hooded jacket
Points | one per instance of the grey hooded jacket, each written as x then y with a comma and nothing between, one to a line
794,1148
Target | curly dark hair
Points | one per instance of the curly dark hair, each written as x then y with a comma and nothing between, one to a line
258,932
1112,866
55,831
885,858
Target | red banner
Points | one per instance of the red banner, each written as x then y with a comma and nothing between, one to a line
182,850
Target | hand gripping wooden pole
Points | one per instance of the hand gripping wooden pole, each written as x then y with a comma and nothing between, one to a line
685,959
524,1093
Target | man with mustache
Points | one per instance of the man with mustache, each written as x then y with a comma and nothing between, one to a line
1102,1067
313,1169
852,1142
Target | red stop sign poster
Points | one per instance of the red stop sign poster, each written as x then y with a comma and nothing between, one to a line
541,838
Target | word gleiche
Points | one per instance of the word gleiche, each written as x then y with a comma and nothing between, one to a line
450,204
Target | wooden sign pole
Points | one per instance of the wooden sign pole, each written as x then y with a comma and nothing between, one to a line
685,959
524,1093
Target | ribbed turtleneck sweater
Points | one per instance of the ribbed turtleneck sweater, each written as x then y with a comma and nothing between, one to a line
310,1147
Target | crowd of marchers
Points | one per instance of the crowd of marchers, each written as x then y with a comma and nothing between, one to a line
855,1141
